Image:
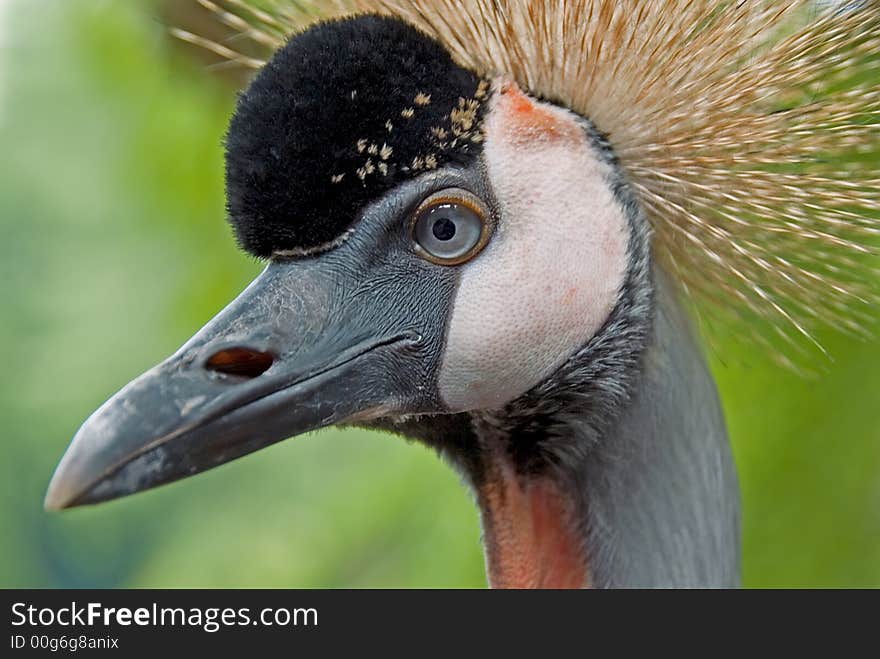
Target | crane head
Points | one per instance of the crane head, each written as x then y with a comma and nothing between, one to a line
438,244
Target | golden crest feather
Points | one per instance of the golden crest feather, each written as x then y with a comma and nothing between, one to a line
749,130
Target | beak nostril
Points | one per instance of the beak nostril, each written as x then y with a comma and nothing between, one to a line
243,362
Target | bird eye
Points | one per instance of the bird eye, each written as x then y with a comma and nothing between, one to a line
451,227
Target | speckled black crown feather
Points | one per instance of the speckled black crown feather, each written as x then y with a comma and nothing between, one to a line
342,113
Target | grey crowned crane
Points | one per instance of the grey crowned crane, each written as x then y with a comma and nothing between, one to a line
485,223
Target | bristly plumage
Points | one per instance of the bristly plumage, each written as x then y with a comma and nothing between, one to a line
749,130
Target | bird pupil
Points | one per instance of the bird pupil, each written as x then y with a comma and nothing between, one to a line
444,229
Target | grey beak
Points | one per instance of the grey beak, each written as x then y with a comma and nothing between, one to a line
293,353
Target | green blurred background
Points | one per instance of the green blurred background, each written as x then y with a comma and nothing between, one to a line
113,251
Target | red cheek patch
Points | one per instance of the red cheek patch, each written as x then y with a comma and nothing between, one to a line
526,121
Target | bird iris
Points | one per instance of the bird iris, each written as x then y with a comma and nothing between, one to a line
451,227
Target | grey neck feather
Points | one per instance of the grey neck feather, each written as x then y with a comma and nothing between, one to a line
660,490
643,450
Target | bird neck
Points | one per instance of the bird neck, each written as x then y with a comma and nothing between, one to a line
652,501
660,494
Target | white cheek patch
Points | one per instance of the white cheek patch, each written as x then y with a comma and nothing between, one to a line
552,272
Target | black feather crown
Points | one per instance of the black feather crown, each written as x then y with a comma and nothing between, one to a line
339,115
